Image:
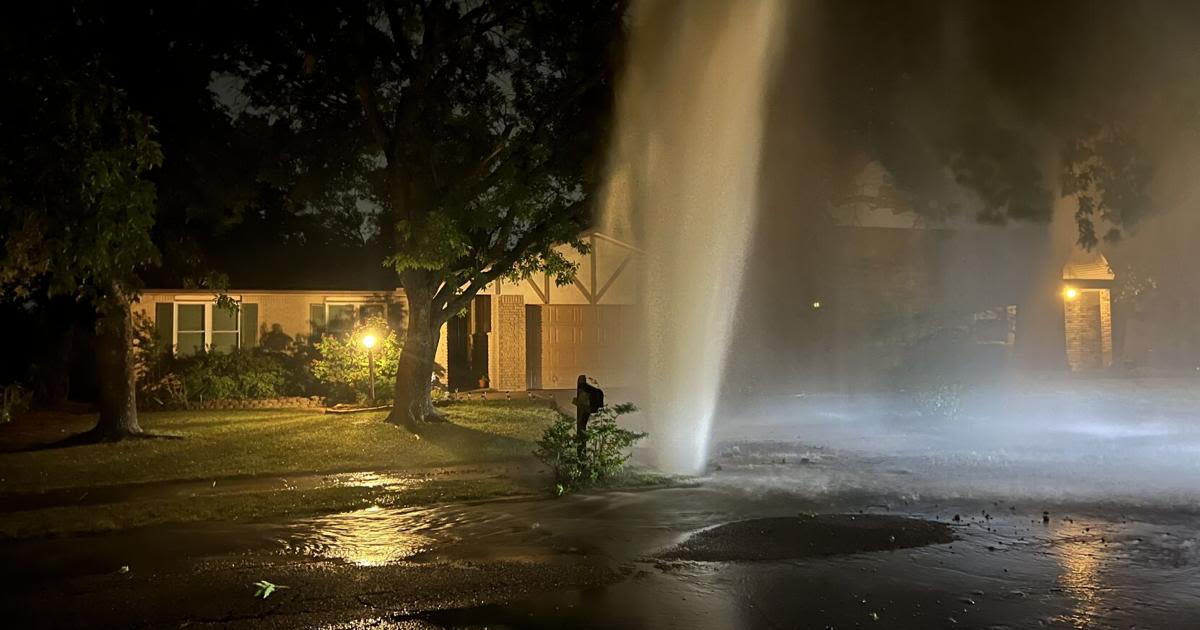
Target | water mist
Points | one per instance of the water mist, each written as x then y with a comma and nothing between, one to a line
685,178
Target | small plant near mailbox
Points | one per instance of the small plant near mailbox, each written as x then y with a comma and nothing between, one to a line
607,451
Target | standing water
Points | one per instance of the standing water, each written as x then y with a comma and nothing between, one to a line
685,181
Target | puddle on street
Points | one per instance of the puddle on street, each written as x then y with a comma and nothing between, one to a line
370,537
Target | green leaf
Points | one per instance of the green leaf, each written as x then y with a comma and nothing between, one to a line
265,588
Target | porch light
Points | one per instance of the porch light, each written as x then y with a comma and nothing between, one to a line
1070,293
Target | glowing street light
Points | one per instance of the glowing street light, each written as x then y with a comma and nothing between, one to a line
368,342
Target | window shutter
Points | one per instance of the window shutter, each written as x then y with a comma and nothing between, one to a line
316,317
164,325
249,325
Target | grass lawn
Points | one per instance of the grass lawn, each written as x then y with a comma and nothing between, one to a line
219,444
212,445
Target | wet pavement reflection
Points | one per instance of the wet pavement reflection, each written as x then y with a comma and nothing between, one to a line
1013,564
1086,567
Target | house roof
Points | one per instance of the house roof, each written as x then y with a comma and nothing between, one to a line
1087,266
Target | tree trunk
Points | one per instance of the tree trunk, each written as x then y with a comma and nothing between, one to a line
116,377
412,404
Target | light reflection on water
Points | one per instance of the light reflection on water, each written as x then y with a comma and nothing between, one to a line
1094,572
378,536
370,537
1082,558
373,480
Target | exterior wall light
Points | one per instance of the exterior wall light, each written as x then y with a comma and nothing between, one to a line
1070,293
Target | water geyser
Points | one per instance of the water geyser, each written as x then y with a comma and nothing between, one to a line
685,176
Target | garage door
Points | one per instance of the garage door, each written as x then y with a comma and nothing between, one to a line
568,340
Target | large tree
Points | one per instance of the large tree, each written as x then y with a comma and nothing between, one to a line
76,210
94,199
474,127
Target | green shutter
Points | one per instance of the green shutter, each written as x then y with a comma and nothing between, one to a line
249,325
164,324
316,317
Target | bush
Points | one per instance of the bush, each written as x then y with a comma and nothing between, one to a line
606,454
343,363
244,374
237,375
13,399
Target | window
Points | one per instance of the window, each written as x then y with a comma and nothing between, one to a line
995,326
340,318
190,334
367,311
224,336
204,326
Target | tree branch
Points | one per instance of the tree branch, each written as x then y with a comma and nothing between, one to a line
502,265
482,176
396,25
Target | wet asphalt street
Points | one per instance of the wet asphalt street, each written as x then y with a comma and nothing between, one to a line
601,561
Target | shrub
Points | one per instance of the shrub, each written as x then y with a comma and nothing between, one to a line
236,375
607,448
244,374
13,399
153,365
297,363
343,363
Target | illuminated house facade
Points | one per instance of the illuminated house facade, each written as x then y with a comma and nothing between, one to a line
513,336
888,289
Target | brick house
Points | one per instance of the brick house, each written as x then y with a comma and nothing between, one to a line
534,334
1015,299
517,336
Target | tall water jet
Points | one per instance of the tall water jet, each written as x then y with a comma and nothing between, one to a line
684,187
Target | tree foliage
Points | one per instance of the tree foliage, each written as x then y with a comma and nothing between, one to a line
76,210
968,119
1109,175
473,130
473,126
